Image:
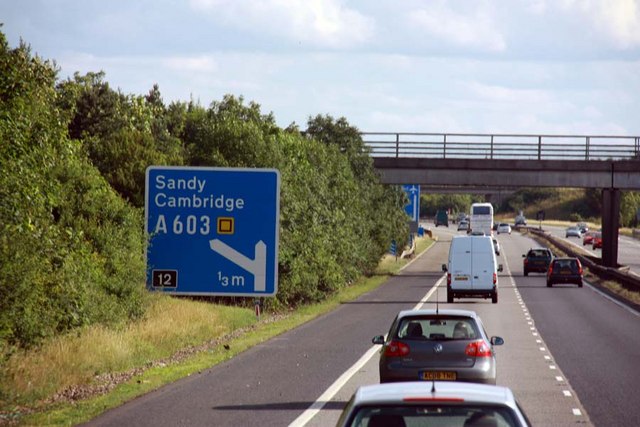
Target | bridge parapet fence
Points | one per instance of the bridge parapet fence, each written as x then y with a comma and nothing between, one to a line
501,146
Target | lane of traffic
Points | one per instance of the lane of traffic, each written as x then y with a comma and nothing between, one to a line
594,341
524,363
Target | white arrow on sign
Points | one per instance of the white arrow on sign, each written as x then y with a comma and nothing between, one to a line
256,266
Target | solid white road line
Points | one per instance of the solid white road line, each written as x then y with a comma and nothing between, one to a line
325,397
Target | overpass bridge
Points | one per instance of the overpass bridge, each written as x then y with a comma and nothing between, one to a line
511,161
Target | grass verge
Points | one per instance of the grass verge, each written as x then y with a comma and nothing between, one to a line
74,378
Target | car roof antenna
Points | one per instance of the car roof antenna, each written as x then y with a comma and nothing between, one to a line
433,386
437,302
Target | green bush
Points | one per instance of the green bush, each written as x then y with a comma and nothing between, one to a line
71,249
72,165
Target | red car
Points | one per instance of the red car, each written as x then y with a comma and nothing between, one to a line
597,241
587,239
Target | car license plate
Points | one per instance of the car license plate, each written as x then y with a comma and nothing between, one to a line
438,376
565,272
461,278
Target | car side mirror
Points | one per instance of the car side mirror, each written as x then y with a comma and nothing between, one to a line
499,267
444,267
378,339
497,341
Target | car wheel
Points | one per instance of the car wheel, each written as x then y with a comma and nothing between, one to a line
449,297
494,297
526,273
549,284
580,284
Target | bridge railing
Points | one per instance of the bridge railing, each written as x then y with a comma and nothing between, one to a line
501,146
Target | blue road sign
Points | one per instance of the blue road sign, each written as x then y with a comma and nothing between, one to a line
212,231
413,208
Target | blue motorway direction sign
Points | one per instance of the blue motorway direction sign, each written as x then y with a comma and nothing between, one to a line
212,231
413,207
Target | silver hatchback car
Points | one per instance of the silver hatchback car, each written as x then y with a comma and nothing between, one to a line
432,404
439,345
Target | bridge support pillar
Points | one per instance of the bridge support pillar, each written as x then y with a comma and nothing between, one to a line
610,225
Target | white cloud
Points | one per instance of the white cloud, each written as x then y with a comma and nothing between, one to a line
493,94
198,63
474,27
621,19
538,7
617,20
427,121
324,23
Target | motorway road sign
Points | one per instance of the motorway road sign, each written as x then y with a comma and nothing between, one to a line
212,231
413,207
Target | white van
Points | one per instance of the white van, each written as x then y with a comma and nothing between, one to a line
472,270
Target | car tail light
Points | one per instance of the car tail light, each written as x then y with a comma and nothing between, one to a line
495,278
526,261
579,268
448,279
396,349
478,349
550,271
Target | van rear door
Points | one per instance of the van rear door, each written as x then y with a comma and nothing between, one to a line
483,264
460,263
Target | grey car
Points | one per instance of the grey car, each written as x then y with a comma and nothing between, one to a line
573,232
432,404
440,345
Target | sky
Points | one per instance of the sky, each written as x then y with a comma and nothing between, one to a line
569,67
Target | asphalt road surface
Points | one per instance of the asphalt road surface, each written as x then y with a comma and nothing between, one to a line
570,355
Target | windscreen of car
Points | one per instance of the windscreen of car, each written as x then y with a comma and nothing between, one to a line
438,328
436,414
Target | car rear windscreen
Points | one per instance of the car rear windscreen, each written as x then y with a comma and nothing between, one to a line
435,415
438,328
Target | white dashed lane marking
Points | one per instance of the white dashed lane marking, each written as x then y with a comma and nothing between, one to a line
543,349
